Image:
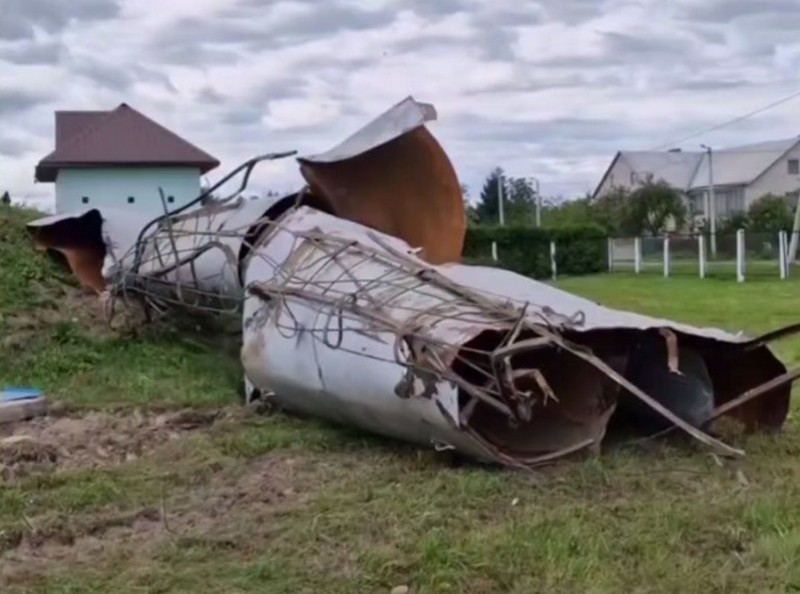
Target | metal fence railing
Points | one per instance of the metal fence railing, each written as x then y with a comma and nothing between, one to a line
740,255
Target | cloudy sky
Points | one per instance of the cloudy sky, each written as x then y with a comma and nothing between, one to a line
548,88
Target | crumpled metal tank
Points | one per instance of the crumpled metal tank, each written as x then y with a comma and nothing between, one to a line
348,324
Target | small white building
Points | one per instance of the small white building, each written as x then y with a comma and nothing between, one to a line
120,159
741,174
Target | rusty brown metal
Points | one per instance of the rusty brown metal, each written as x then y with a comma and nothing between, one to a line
406,188
78,240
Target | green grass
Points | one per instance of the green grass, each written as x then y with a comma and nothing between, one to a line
285,505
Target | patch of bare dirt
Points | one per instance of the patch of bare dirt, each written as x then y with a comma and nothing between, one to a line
61,303
97,439
21,455
222,513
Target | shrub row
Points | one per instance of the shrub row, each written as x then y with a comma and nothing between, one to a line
526,250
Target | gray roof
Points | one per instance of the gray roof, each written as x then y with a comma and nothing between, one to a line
688,170
743,164
675,168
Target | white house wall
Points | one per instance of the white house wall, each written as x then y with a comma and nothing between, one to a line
79,189
776,180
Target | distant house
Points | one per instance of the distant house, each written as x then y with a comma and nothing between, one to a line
120,158
741,174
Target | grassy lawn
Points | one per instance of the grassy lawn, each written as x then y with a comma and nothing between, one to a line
150,477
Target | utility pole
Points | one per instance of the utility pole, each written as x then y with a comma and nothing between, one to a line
537,197
501,210
711,213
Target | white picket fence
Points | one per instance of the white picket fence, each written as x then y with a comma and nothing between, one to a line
626,255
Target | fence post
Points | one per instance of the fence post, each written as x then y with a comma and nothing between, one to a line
494,251
782,254
610,254
553,259
666,256
701,254
740,255
637,255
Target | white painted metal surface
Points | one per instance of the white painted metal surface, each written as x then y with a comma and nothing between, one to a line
396,121
343,370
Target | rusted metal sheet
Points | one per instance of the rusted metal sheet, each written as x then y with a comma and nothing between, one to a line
89,240
394,176
349,324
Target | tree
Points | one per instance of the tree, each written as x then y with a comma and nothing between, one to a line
469,211
610,211
6,198
518,200
652,207
770,213
521,201
567,213
730,225
488,209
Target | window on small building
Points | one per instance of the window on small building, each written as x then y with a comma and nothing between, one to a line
170,199
85,200
793,166
131,199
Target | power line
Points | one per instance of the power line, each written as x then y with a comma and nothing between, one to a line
730,122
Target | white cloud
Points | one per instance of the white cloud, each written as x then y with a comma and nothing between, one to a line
549,89
286,114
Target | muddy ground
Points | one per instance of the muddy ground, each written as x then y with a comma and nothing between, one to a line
212,508
61,442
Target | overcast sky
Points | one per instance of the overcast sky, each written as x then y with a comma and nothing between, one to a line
548,89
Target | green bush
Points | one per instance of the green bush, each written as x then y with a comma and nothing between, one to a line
526,250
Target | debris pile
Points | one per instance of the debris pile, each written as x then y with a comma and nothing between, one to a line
354,307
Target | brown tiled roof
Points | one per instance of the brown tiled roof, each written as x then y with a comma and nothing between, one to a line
122,136
69,123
